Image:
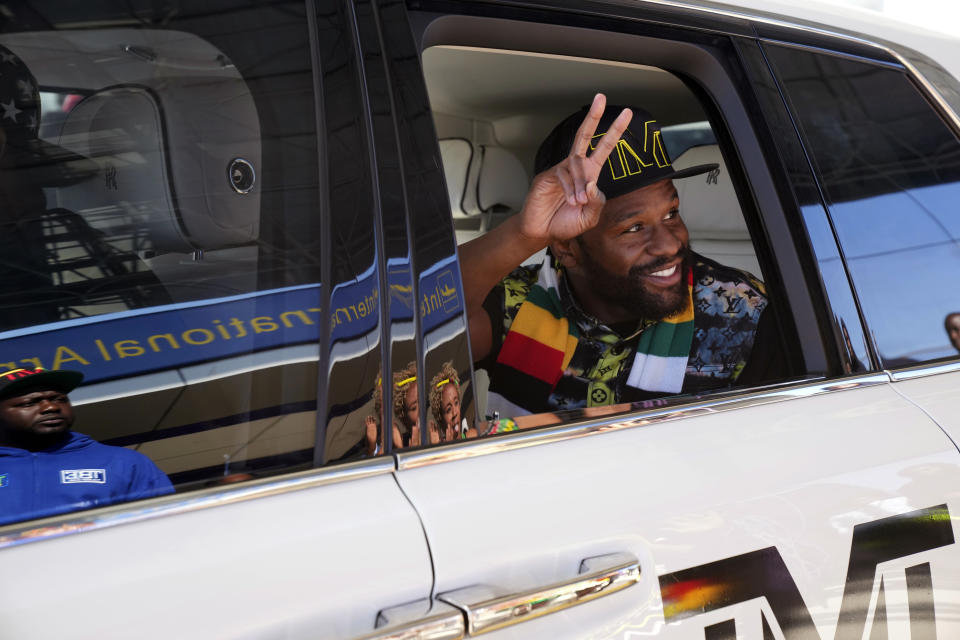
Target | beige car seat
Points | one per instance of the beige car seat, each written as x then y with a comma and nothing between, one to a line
711,211
485,184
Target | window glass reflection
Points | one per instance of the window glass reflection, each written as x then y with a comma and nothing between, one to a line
890,169
160,232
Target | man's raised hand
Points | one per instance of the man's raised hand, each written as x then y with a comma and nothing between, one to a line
564,201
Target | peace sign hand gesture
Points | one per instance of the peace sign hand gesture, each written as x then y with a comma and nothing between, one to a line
564,201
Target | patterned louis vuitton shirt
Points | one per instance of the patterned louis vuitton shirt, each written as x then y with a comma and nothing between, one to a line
727,306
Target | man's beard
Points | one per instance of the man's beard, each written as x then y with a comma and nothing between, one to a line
632,294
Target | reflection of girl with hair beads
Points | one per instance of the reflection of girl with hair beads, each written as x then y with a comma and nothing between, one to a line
445,406
405,407
405,399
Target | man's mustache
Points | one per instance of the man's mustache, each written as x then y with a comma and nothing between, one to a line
655,265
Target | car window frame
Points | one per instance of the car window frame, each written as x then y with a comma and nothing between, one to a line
500,30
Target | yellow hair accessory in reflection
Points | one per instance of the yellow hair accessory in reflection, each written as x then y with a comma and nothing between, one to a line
406,381
443,382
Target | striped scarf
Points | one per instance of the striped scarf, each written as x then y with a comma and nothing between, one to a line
542,341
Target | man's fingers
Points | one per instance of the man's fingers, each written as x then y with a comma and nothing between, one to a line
593,191
579,178
609,140
567,184
590,214
581,143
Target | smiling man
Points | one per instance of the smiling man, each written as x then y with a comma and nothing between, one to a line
621,309
46,469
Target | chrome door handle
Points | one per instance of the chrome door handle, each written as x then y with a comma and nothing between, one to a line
599,576
406,623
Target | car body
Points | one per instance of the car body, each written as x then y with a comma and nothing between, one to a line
252,219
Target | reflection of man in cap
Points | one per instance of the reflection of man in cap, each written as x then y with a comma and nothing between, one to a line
45,468
622,310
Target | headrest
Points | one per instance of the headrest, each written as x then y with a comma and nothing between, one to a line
708,202
502,181
458,165
181,154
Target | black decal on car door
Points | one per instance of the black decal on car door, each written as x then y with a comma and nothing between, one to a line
763,573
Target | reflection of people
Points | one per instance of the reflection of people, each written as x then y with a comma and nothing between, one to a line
952,325
45,468
406,403
445,406
404,410
621,310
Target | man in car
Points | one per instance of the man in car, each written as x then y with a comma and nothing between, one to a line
45,468
621,309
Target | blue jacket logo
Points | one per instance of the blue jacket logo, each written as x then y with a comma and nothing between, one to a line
3,480
87,476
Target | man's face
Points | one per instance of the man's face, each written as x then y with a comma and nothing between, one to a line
36,417
953,329
634,261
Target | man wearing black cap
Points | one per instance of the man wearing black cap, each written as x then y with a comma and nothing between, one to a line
621,310
46,469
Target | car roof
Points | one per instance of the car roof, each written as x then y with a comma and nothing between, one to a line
854,22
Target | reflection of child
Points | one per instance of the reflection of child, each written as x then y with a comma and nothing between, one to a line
445,407
405,407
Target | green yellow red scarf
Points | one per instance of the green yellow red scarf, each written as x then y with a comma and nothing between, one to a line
541,342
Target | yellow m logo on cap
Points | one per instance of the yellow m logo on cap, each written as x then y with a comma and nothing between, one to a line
625,161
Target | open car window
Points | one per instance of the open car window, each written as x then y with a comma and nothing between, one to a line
489,131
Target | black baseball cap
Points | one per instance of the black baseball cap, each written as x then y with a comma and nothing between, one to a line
19,381
640,158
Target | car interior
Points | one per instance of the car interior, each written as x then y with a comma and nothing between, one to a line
490,127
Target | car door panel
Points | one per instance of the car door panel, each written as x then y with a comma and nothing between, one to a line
787,480
272,562
934,389
819,510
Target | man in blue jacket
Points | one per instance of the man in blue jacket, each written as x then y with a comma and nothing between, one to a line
46,469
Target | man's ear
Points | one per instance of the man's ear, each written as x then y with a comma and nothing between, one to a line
566,252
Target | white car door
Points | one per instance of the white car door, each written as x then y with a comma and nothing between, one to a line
312,555
816,509
808,505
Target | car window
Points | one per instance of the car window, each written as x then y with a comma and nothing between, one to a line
489,131
162,232
677,138
889,167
